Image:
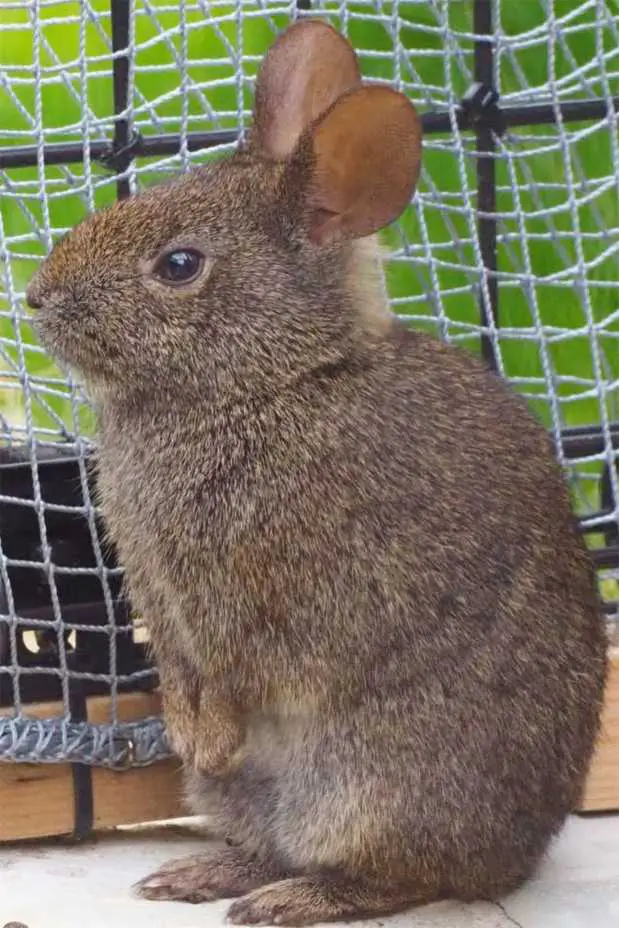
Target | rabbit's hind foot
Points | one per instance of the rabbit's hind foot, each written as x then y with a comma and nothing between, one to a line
219,874
306,900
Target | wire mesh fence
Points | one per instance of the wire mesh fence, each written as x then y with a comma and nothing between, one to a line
511,248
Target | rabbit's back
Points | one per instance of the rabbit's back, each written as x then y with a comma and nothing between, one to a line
473,522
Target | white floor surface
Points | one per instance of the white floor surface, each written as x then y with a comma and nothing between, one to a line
51,885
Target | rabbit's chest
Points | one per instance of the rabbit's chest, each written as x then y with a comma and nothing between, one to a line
190,521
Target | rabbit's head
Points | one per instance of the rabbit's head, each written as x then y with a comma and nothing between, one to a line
236,273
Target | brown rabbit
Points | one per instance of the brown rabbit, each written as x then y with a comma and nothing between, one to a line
380,644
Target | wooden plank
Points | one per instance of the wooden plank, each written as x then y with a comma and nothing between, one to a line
602,791
36,800
139,795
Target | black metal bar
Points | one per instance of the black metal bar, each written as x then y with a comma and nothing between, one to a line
25,156
122,156
606,518
541,114
140,147
538,114
83,799
587,440
486,179
151,146
605,558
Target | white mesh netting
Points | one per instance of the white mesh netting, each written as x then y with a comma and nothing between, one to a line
190,73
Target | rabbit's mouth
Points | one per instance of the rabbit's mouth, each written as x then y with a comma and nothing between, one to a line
62,323
74,342
47,326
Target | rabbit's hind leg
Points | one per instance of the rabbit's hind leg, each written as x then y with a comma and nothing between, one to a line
321,897
236,809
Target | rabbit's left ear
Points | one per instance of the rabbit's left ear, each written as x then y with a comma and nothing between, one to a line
308,67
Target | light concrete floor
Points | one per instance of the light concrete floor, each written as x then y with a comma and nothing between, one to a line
55,886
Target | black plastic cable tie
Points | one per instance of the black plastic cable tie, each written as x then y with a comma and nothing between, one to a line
480,108
117,159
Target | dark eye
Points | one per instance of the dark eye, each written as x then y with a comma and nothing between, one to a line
179,267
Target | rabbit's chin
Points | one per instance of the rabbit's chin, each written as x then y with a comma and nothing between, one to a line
49,336
100,368
82,356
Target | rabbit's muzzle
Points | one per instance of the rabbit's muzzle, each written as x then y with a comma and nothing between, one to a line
63,321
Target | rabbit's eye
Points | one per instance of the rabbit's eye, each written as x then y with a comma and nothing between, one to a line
179,267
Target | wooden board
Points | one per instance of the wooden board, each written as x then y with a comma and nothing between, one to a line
602,792
36,800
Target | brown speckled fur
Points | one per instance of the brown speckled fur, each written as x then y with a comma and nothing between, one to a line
380,644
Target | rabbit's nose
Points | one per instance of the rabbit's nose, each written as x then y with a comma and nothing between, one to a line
34,295
33,301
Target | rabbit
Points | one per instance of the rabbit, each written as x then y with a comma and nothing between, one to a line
380,644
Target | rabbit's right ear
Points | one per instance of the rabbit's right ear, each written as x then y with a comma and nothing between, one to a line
304,72
366,158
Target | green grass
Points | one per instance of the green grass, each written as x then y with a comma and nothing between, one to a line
450,234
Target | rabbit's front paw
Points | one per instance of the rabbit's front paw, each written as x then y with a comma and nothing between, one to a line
217,741
216,874
181,732
205,738
181,710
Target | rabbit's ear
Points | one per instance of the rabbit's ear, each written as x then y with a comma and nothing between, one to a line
366,163
308,67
